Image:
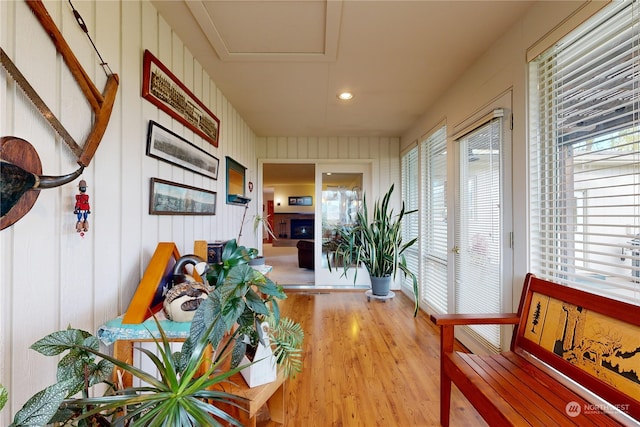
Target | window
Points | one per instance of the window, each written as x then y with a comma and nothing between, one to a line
425,167
434,219
585,156
410,223
480,224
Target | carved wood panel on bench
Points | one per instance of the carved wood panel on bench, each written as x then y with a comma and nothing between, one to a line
562,336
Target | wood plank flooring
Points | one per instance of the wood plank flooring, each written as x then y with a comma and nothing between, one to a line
367,364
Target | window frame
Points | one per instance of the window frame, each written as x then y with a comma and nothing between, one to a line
580,193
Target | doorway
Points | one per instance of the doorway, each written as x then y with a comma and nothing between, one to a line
340,189
482,226
290,186
287,200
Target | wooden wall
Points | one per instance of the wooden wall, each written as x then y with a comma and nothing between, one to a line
50,277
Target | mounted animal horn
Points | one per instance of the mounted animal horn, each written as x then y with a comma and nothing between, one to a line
17,181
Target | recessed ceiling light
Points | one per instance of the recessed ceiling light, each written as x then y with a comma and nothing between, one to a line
345,96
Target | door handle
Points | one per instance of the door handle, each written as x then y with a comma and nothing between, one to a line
455,250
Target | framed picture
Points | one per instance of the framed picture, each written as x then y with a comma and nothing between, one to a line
171,198
236,182
209,251
155,283
169,147
214,252
300,201
165,91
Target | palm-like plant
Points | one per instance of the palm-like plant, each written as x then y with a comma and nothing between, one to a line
242,298
178,398
287,337
377,243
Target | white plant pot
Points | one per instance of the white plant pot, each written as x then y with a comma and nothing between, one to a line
264,370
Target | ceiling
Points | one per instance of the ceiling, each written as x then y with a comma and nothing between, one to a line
282,63
278,174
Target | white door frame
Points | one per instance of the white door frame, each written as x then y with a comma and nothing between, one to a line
336,278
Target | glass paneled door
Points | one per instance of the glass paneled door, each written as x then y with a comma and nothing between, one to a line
482,250
340,192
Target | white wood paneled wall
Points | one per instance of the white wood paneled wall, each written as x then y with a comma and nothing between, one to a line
51,277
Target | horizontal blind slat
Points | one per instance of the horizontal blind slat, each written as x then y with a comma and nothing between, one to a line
434,283
585,156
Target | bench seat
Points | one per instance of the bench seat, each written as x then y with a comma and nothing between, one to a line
517,393
565,341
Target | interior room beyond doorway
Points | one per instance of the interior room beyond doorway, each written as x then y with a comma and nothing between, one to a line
289,201
286,272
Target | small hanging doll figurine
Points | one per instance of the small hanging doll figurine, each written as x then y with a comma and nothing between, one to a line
82,209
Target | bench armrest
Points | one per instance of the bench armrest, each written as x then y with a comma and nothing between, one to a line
475,319
447,322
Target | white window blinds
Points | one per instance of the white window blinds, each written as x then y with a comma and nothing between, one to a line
479,227
434,244
411,222
585,156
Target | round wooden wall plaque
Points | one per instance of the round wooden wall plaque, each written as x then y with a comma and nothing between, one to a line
20,153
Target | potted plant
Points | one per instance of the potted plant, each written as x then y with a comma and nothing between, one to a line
249,298
178,398
240,300
377,244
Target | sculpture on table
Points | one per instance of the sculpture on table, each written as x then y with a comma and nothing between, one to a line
186,294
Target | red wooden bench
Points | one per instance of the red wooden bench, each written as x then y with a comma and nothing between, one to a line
564,340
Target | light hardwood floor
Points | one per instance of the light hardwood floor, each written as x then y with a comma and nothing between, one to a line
367,364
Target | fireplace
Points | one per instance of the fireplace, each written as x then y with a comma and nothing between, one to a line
302,228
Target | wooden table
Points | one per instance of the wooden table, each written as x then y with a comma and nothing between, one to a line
124,337
123,350
271,394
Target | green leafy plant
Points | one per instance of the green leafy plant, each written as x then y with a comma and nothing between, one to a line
286,337
4,396
178,398
233,255
260,222
244,298
377,243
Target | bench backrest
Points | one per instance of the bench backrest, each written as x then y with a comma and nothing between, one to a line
593,340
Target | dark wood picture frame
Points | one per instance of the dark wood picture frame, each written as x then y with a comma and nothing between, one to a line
172,198
170,147
163,89
300,201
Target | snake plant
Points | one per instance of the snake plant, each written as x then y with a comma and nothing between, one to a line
377,243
